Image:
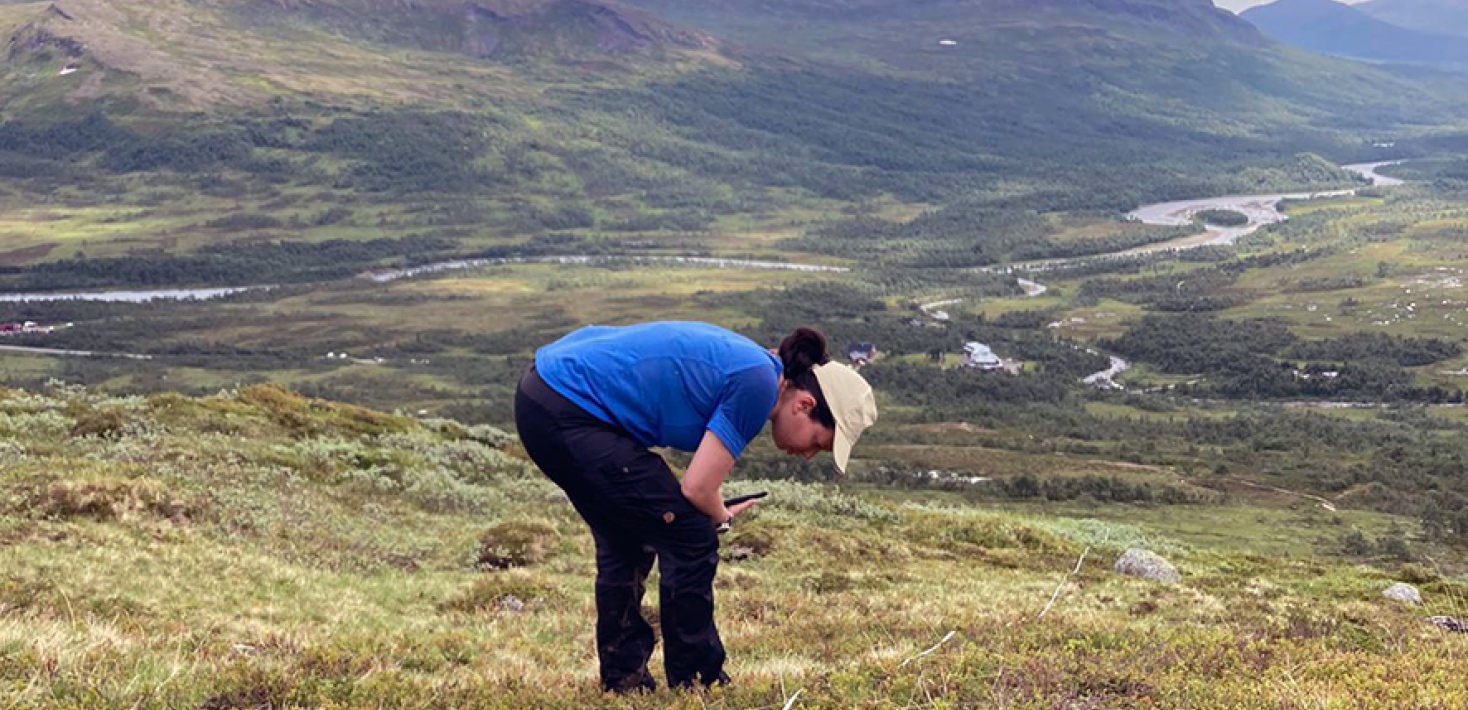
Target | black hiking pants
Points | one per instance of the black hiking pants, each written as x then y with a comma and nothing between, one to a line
636,512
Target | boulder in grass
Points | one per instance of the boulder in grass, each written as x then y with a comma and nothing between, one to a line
1404,593
1147,565
510,603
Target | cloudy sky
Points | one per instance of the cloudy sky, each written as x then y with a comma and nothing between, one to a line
1241,5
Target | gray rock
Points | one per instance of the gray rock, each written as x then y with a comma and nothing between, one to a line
1147,565
510,603
1404,593
1448,623
739,553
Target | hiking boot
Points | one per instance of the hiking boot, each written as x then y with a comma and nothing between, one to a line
704,683
639,683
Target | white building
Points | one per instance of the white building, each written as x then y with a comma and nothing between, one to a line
981,356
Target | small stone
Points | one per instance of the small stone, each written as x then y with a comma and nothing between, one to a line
510,603
739,553
1448,623
1147,565
1405,593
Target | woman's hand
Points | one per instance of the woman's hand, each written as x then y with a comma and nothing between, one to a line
723,524
737,508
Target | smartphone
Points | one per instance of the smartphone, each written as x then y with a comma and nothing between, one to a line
736,500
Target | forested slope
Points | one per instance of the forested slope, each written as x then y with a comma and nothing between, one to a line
512,119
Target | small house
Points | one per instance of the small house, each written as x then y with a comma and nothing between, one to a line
981,356
861,354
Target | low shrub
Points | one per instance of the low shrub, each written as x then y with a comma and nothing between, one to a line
304,417
105,424
516,544
959,533
822,505
829,583
1414,573
107,498
512,591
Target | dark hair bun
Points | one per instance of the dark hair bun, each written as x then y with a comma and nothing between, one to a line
801,350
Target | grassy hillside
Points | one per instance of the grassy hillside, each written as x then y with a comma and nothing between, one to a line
256,549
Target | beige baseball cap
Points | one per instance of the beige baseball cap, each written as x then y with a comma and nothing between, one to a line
852,404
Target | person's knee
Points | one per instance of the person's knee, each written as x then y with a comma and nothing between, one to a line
690,564
627,566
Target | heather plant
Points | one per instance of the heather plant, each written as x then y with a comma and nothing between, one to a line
819,505
43,424
515,543
11,450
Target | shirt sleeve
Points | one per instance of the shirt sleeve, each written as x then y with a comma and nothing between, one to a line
744,407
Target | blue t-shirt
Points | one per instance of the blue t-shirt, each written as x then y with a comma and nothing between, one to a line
667,383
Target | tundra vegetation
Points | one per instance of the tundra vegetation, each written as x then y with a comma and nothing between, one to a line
256,548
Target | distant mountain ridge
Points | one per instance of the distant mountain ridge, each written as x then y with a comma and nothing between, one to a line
1334,28
1432,16
995,23
489,29
190,54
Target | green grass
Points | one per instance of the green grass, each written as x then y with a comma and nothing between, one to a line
1263,524
256,548
1124,411
25,366
1308,207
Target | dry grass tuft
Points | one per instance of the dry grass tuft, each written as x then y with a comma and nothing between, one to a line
106,424
105,498
513,591
303,417
516,544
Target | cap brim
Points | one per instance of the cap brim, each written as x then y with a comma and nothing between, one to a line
841,450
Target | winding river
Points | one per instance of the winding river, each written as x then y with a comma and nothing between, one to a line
1368,171
386,275
185,294
1262,210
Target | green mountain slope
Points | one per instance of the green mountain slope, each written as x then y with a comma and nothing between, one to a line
498,121
257,549
242,54
1155,52
503,29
